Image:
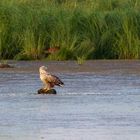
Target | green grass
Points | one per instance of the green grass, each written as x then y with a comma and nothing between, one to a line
83,29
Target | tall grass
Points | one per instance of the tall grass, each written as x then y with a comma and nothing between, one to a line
82,29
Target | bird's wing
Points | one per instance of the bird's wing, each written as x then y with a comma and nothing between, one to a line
54,79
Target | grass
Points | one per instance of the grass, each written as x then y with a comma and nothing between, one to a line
82,29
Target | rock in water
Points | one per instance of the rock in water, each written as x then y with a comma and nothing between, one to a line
44,91
5,65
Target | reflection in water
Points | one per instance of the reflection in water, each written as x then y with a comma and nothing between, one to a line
103,107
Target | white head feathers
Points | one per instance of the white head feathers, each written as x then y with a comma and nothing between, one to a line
43,69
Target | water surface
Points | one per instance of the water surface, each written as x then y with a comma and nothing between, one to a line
90,106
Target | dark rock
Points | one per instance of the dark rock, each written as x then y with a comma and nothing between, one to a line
5,65
44,91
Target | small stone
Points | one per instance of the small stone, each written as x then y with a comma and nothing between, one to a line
44,91
5,65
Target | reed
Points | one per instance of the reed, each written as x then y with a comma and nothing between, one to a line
82,29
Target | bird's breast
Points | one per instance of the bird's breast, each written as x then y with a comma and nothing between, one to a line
42,77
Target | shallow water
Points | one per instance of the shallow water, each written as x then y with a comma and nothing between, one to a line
90,106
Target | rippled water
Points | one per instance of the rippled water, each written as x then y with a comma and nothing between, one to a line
90,106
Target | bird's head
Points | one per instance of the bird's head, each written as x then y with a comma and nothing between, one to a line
42,69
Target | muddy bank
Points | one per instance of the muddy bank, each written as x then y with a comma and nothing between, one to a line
95,66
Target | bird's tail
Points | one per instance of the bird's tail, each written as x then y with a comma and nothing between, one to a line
61,84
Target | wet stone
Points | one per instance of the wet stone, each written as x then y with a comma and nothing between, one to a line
5,65
44,91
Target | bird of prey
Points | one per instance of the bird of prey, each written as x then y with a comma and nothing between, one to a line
49,80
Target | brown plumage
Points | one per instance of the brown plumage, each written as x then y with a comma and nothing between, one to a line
49,80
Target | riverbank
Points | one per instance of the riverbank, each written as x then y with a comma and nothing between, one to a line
91,66
77,29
